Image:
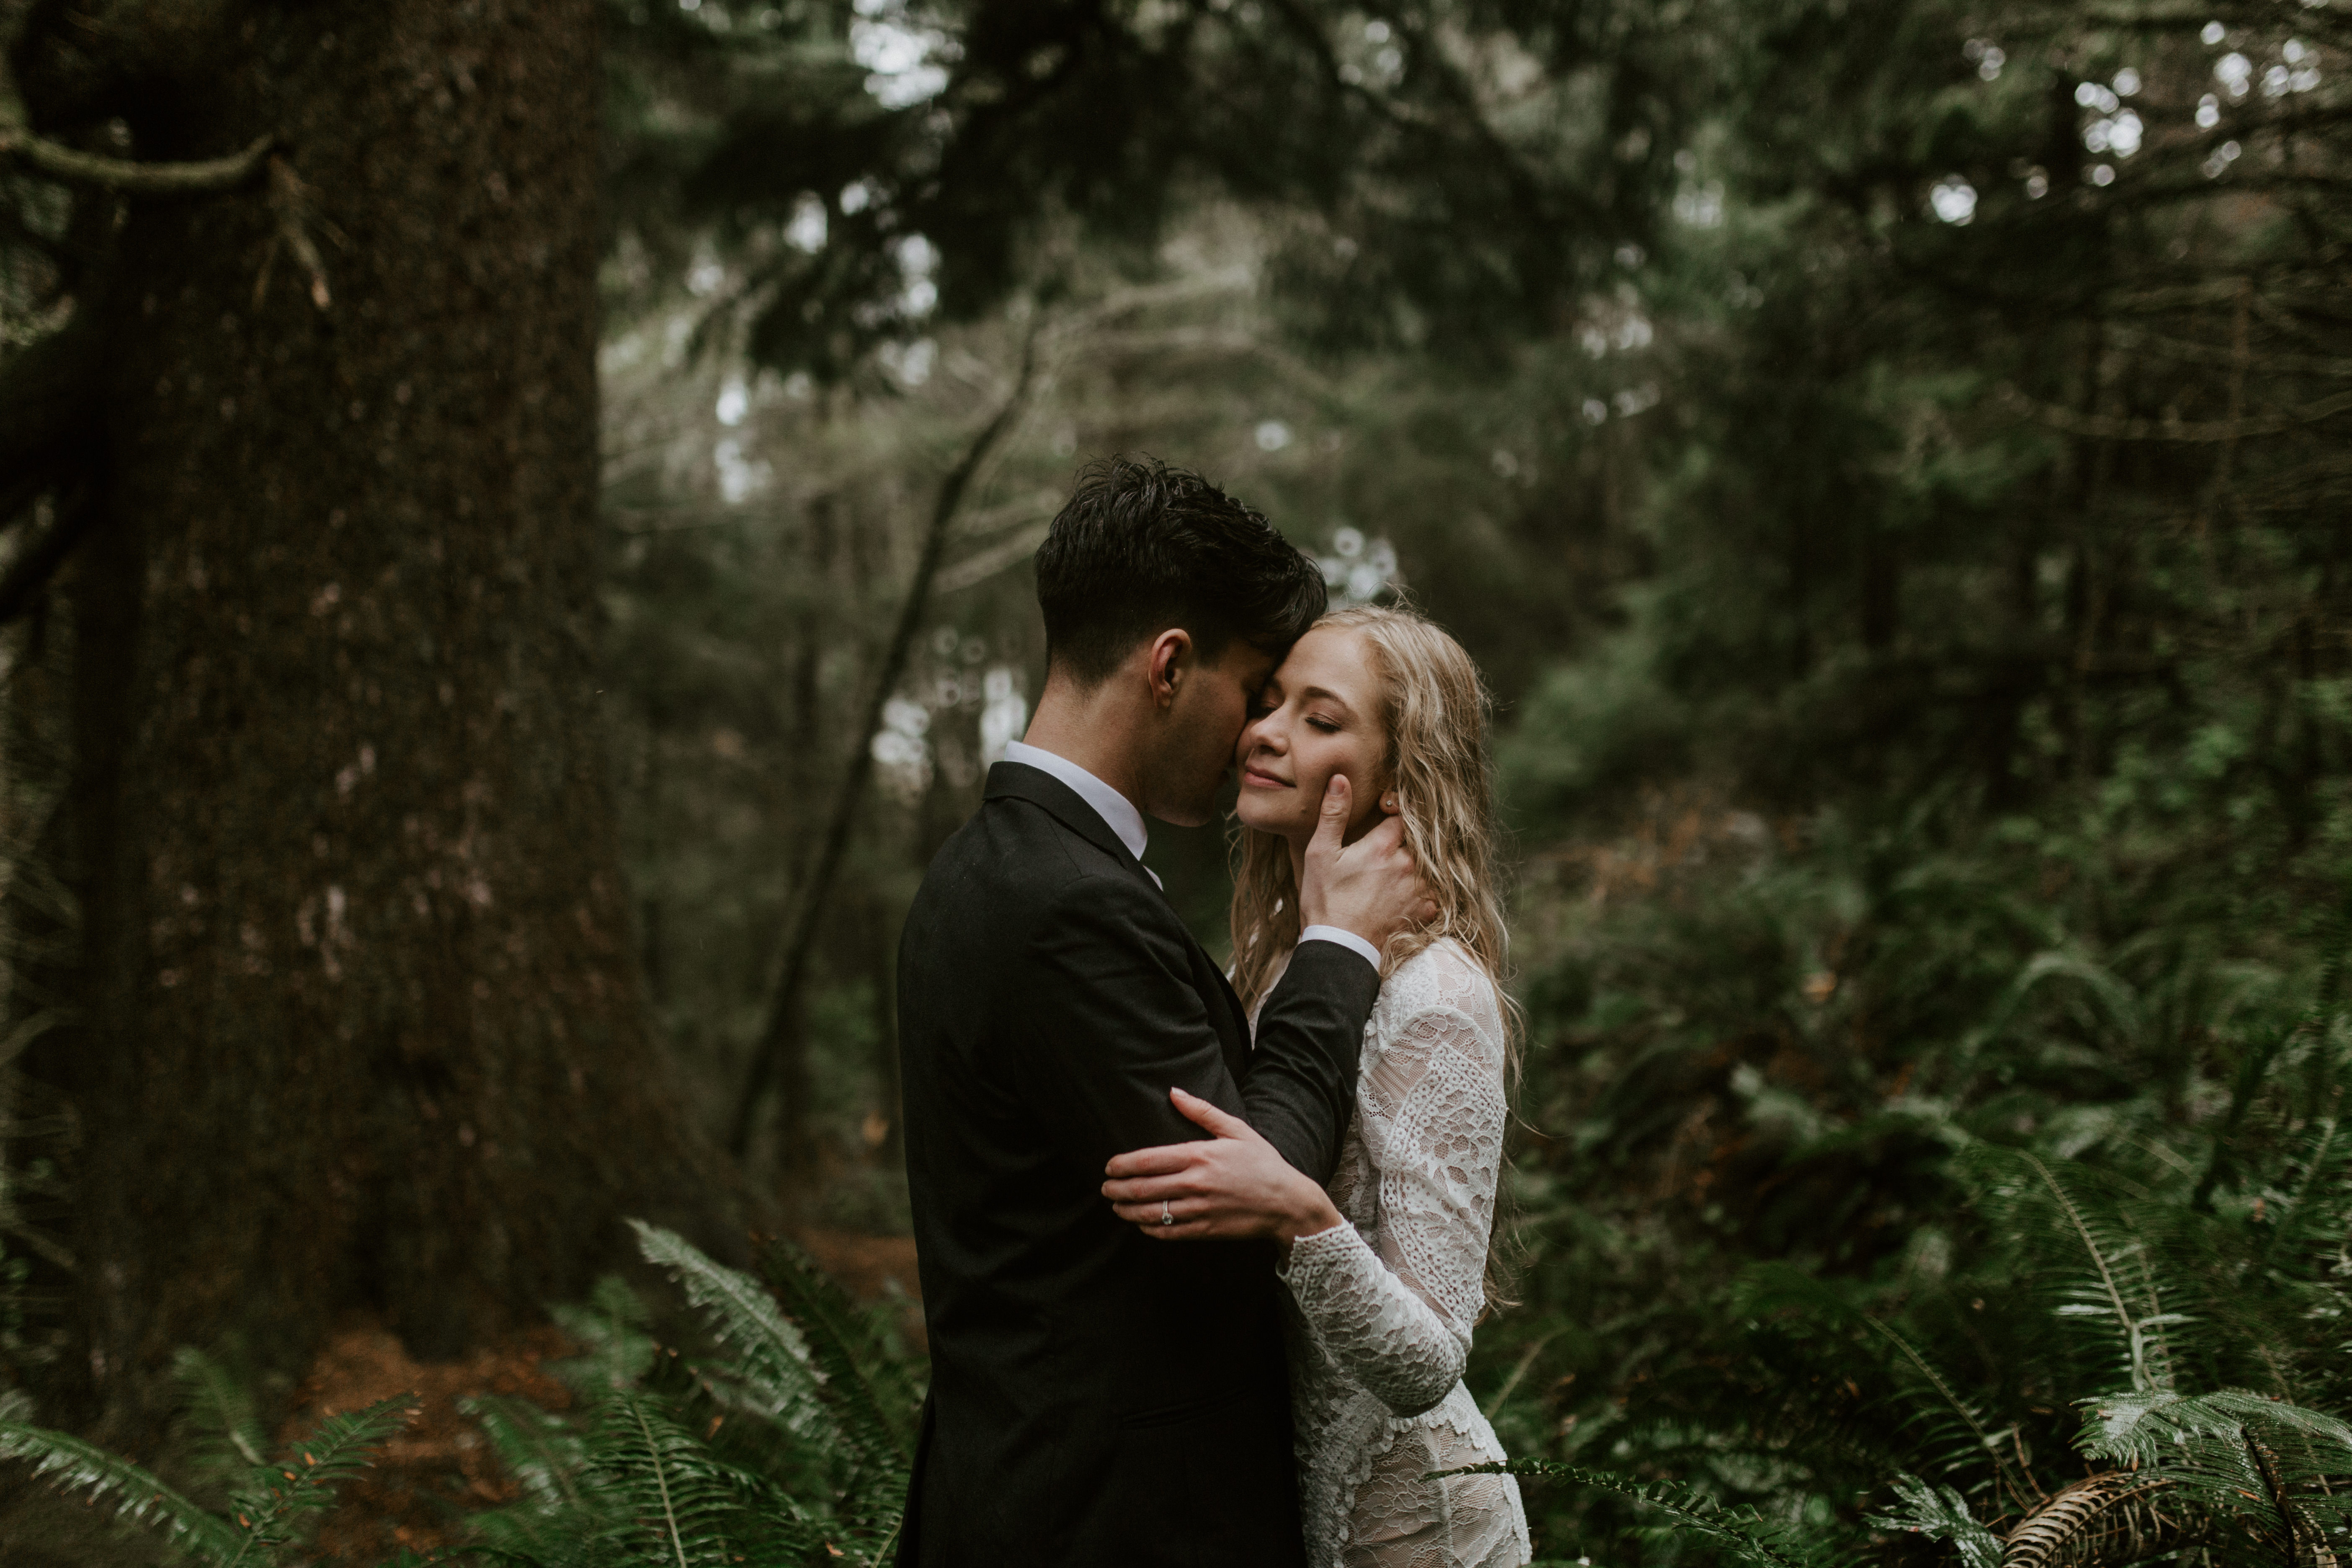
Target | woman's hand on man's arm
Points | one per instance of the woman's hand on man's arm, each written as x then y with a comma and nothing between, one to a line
1234,1184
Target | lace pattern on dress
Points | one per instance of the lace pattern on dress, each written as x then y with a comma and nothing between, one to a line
1382,1306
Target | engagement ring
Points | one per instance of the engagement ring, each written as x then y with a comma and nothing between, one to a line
1165,1217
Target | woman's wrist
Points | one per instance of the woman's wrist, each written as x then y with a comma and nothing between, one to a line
1312,1216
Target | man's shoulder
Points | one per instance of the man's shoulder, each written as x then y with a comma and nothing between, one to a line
1014,855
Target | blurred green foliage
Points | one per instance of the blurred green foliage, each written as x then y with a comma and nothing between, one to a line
1890,462
1901,521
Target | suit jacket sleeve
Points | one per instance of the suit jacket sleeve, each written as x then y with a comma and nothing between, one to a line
1302,1075
1118,1023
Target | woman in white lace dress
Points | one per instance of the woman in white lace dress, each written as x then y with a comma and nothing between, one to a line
1388,1269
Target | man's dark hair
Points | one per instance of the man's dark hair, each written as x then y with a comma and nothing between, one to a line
1141,547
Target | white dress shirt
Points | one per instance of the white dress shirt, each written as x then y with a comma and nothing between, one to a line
1120,815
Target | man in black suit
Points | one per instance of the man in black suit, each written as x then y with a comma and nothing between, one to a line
1098,1398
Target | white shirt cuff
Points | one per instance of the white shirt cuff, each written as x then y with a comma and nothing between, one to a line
1347,938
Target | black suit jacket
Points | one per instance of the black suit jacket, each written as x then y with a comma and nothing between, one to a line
1096,1396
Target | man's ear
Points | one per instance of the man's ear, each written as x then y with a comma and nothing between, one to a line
1170,664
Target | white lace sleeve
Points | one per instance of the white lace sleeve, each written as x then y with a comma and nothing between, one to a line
1431,1114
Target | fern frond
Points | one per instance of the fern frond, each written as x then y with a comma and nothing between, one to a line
675,1500
1940,1513
2138,1428
344,1443
774,1360
538,1449
867,1387
611,1329
2321,1202
338,1449
219,1410
2119,1286
66,1464
1742,1532
2117,1516
2273,1468
2114,995
1954,1432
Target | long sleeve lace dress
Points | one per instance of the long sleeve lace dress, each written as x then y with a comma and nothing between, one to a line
1383,1304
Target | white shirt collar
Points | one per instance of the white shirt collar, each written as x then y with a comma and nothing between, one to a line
1117,812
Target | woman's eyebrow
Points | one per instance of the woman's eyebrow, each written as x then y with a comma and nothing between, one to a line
1308,693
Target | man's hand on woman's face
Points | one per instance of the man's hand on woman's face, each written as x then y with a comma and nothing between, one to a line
1232,1185
1371,886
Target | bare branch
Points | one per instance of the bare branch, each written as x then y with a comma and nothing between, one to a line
982,564
290,199
130,178
791,968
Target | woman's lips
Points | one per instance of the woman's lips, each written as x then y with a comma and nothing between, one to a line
1263,780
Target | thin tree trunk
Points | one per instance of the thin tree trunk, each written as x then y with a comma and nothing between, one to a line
791,968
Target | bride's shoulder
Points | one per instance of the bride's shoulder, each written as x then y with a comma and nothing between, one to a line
1443,974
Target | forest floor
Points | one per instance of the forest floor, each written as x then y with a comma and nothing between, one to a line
439,1468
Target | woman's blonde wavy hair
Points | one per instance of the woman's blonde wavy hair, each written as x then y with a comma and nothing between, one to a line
1435,710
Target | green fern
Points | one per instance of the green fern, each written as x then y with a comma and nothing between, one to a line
275,1497
789,1442
1942,1514
673,1501
217,1408
67,1465
1743,1531
772,1360
874,1399
2272,1467
2099,1264
265,1510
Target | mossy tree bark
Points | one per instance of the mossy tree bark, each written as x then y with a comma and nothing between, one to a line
364,1029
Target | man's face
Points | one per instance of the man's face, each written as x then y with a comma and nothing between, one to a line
1203,721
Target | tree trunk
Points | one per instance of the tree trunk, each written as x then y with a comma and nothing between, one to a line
364,1022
